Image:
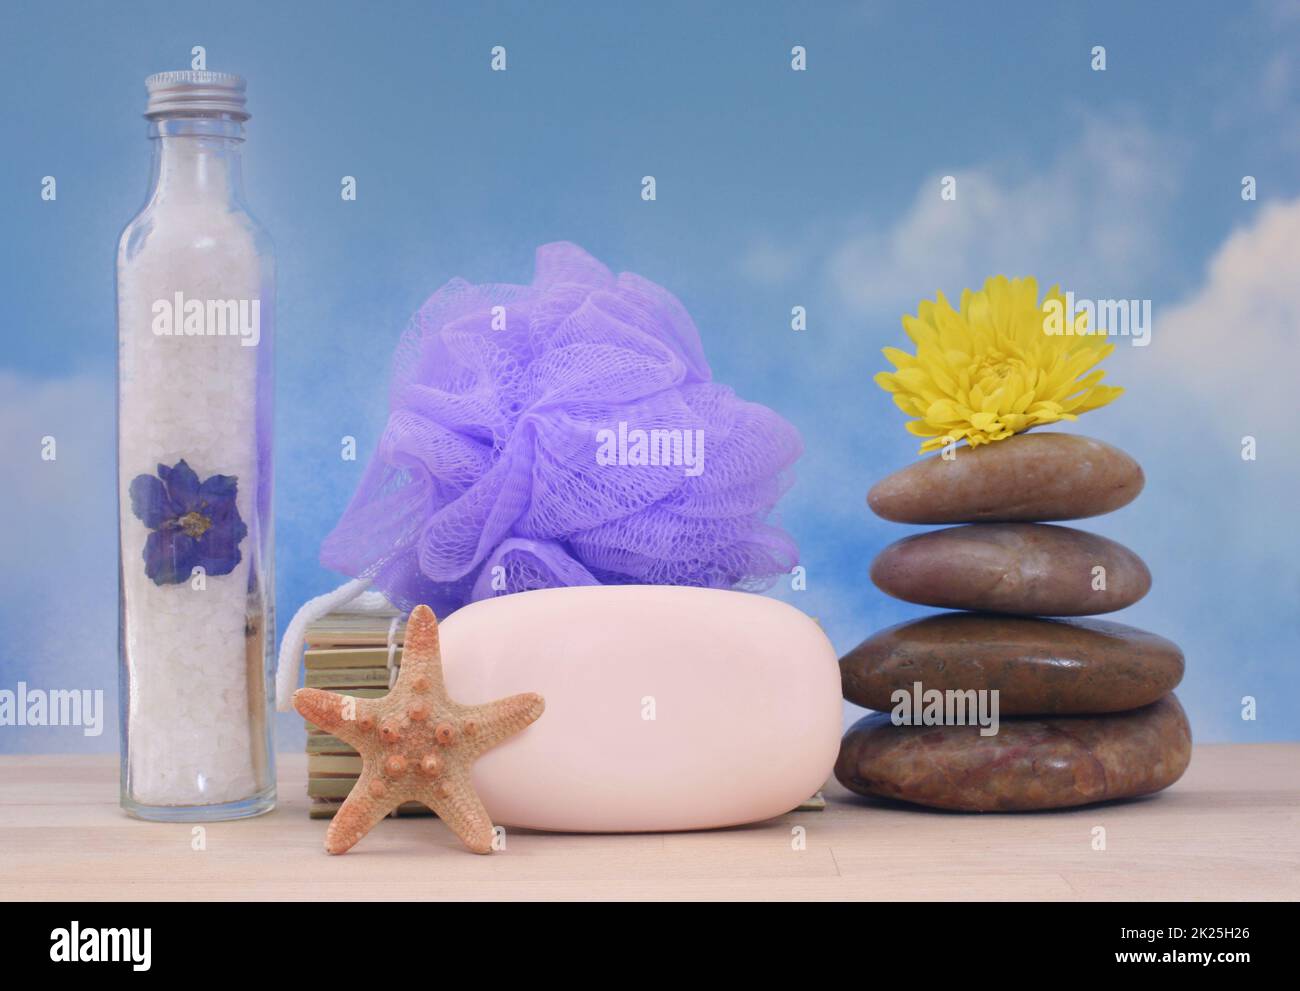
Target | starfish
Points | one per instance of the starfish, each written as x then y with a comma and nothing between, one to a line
416,743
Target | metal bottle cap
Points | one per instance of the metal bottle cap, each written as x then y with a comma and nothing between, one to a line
194,92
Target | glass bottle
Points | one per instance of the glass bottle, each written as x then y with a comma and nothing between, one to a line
196,302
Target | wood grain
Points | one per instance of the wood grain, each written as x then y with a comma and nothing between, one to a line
1230,829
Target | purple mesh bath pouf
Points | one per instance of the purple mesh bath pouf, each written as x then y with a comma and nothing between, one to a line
512,459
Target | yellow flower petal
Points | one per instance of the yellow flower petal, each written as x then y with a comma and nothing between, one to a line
986,370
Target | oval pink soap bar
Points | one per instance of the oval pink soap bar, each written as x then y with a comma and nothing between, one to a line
667,708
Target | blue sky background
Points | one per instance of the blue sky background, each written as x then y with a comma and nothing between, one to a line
775,188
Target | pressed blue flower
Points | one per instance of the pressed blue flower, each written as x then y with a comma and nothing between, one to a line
195,525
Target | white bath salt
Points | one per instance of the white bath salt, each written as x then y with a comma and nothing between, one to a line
188,390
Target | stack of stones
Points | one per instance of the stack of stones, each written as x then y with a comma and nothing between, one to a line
1089,714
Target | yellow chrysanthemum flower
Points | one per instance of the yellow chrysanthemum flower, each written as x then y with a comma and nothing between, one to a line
994,369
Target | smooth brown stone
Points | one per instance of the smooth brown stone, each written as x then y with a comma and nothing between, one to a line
1030,764
1029,478
1039,667
1029,569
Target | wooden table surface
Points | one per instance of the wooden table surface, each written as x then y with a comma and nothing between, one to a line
1230,829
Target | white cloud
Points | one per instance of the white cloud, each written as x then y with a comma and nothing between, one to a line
1235,342
1215,528
1091,218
